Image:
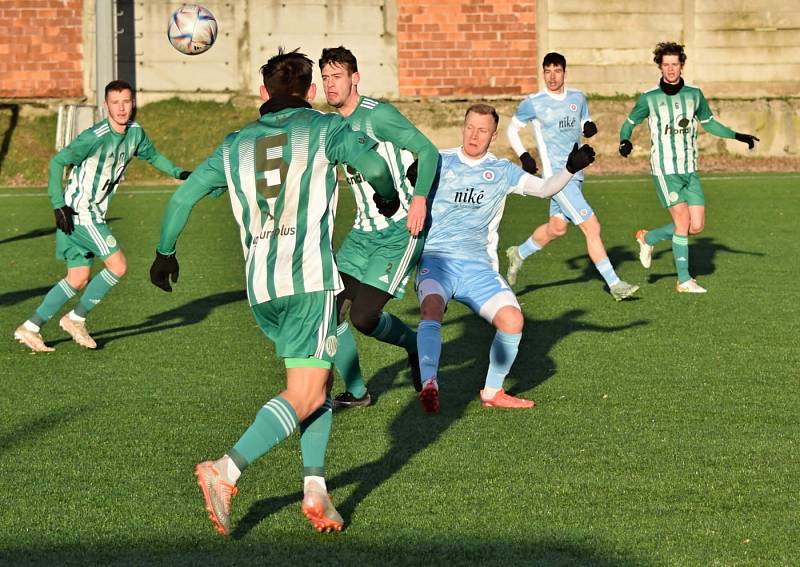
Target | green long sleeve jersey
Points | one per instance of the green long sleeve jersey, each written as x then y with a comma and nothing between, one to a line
99,156
673,127
399,144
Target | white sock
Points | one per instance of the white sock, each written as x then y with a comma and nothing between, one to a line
33,327
318,479
228,469
488,393
75,317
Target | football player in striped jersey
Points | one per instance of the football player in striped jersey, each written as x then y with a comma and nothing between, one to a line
672,110
379,254
98,156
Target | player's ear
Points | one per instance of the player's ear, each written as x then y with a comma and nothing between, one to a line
356,78
312,92
262,91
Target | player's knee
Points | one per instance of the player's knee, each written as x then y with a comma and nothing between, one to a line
557,230
509,320
364,320
117,265
78,283
696,228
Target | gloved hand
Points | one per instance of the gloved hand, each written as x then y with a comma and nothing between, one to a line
528,163
625,148
184,175
589,129
411,172
748,139
64,219
386,207
163,267
579,158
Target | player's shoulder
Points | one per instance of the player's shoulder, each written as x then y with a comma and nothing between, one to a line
694,89
575,94
99,129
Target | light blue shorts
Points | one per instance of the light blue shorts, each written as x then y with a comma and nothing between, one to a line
570,203
475,284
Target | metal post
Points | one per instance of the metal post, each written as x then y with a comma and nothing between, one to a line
105,48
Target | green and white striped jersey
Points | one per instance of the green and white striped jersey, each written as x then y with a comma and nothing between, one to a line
382,122
673,127
280,172
99,156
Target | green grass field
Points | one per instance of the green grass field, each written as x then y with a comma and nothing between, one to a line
666,429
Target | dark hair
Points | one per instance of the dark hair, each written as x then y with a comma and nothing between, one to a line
287,73
481,108
339,56
118,85
668,48
556,59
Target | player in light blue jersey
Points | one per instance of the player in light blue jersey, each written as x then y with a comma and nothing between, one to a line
558,117
459,260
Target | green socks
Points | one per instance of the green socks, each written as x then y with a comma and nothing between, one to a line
392,330
346,361
314,433
53,302
680,252
658,234
274,422
95,291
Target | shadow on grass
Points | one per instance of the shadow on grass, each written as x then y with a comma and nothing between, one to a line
412,432
37,232
703,253
187,314
14,297
618,255
36,427
322,549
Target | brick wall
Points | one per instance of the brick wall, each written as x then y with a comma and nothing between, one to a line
41,48
466,47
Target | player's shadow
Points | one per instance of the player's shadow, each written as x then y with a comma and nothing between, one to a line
462,372
703,253
618,255
187,314
14,297
37,232
37,427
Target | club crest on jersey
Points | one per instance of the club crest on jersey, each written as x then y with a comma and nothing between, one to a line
573,107
673,196
331,345
111,241
424,271
488,175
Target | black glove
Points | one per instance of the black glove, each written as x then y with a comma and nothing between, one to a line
748,139
184,175
579,158
625,148
163,267
589,129
528,163
64,219
411,172
386,207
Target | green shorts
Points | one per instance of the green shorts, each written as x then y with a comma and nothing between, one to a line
383,259
301,326
679,188
85,243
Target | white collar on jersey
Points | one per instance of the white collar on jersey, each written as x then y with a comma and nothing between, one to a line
472,162
555,96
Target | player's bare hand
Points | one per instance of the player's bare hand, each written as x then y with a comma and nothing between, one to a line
416,215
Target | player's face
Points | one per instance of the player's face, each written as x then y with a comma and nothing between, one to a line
554,78
338,83
119,105
671,69
479,133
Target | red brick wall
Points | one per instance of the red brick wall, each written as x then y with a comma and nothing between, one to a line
466,47
41,48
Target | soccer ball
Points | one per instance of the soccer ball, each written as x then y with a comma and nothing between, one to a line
192,29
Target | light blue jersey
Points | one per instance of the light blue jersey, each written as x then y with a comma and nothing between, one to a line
557,123
468,205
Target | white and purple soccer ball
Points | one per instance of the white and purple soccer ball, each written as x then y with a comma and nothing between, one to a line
192,29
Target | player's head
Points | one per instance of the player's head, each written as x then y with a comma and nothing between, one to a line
119,102
670,58
340,76
480,130
554,70
288,74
